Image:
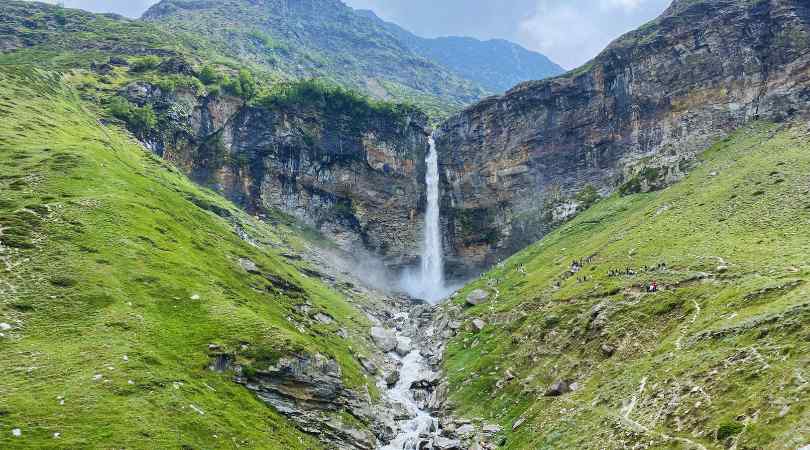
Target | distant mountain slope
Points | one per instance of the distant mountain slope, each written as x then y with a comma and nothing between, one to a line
317,38
496,64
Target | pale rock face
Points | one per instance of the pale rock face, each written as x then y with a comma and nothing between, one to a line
640,111
359,182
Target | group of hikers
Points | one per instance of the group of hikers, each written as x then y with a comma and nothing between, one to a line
629,271
578,265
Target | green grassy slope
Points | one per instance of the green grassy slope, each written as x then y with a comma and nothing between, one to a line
116,276
718,357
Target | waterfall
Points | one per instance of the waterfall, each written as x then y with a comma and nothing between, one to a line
432,264
428,282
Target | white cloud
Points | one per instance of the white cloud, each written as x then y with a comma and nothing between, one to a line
571,33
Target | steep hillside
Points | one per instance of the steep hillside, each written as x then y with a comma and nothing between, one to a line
134,305
317,38
634,116
45,35
496,64
585,357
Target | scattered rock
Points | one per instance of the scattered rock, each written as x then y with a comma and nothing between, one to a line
465,431
478,325
195,297
57,435
249,266
16,432
392,378
443,443
4,326
490,429
477,297
722,269
323,318
368,365
574,387
608,350
403,346
454,325
118,61
385,339
557,389
213,347
518,423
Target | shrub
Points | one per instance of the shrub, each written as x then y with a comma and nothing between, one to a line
587,197
120,108
208,75
146,64
143,119
728,430
138,119
244,85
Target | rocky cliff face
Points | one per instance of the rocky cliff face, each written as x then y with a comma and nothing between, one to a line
635,117
357,177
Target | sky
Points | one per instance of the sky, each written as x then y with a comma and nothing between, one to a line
570,32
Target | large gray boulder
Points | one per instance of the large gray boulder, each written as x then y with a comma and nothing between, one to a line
477,297
385,339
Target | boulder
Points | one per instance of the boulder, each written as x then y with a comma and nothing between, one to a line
490,429
557,389
608,350
465,431
249,266
118,61
323,318
368,365
404,346
478,325
385,339
392,378
477,297
518,423
443,443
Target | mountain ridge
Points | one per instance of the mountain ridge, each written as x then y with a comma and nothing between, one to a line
498,64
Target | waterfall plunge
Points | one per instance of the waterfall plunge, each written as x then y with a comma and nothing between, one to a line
428,284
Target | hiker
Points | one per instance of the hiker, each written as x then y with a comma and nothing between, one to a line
653,286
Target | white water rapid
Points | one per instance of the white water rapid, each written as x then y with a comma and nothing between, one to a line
414,368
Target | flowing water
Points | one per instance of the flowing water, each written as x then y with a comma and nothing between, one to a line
432,264
428,285
414,368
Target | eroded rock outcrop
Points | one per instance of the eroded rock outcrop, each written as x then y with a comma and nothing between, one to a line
635,116
356,176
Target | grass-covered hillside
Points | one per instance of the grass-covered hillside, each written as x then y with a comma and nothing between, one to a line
121,281
719,357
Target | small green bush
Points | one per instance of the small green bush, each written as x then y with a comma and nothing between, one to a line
139,119
587,197
209,76
728,430
146,64
243,85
